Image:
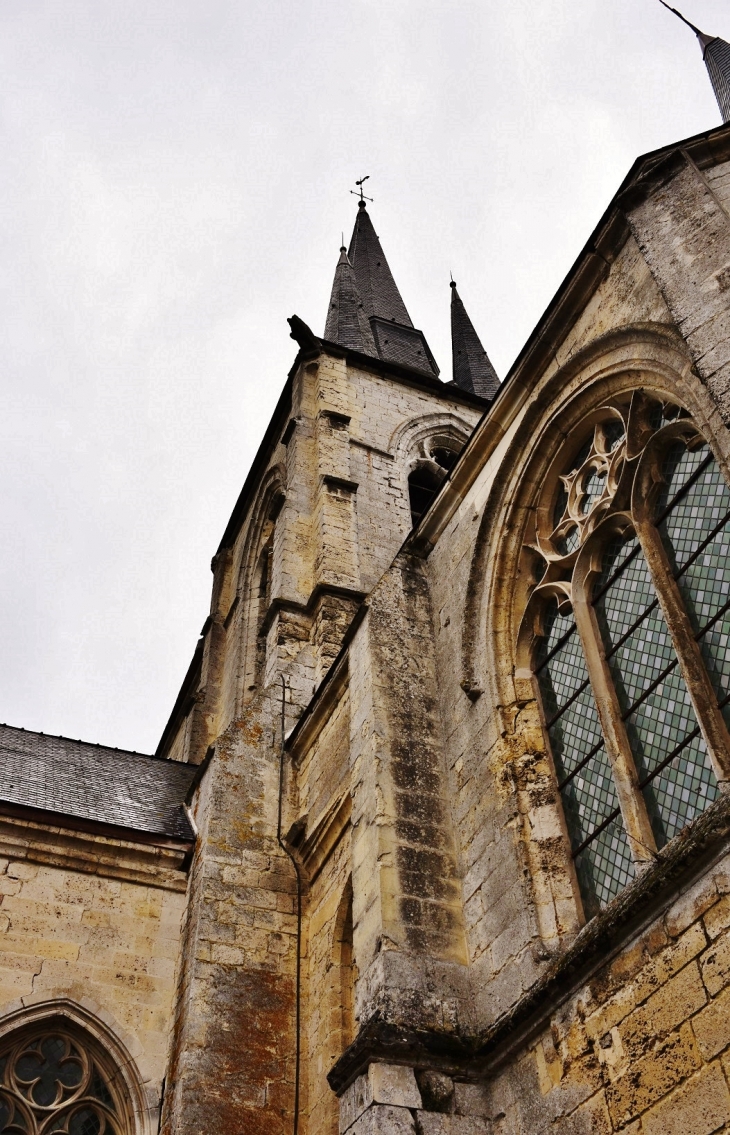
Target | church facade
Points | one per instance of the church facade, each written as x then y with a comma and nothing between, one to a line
437,837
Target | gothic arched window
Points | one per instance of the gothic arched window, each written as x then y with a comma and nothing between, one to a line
56,1079
629,631
438,457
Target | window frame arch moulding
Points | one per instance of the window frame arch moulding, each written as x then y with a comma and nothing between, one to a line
272,490
497,636
141,1101
413,441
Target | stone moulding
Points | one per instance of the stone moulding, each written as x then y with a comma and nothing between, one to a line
116,857
675,868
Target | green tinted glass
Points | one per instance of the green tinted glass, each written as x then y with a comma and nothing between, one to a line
584,774
604,867
660,721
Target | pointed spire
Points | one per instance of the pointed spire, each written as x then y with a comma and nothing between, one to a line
366,310
716,54
347,322
473,370
374,277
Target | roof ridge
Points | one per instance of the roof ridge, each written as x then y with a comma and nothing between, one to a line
80,741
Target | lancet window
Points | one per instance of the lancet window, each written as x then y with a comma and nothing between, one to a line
54,1081
630,635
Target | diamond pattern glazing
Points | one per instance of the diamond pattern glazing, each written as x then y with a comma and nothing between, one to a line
674,768
680,791
589,797
604,867
658,715
697,512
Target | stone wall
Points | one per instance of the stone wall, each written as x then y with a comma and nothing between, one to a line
96,922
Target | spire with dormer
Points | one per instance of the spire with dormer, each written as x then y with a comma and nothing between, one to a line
473,370
347,322
382,327
716,54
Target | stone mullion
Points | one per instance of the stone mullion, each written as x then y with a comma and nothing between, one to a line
694,672
633,809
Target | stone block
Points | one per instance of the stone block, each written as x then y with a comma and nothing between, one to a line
665,1010
715,964
712,1026
691,906
391,1084
699,1107
647,1080
591,1118
394,1084
717,918
384,1120
471,1099
431,1123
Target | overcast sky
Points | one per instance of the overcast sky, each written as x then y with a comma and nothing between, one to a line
174,178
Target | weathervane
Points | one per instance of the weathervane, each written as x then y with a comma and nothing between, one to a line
360,194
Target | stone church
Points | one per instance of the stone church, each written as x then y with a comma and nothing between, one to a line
436,840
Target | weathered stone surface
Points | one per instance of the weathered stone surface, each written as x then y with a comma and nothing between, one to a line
701,1106
384,1120
383,890
430,1123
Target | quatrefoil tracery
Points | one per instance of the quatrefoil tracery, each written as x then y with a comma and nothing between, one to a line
587,489
51,1085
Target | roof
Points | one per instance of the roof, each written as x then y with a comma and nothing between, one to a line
94,783
367,312
347,321
473,370
375,281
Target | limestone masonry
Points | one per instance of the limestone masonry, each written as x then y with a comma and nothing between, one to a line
437,838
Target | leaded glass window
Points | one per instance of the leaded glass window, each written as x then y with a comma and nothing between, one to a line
56,1081
632,654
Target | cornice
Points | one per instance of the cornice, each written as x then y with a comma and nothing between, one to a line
53,844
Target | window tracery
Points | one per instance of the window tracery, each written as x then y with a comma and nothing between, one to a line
438,456
629,629
54,1081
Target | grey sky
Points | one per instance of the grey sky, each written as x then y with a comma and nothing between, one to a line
174,181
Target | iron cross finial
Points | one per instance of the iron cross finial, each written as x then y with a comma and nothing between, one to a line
359,192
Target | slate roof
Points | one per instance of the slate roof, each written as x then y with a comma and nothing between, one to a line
367,312
347,321
473,370
375,281
94,783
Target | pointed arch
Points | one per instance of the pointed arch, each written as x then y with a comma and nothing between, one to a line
344,960
560,499
256,576
425,448
60,1060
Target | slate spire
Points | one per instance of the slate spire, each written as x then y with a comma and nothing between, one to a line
716,54
347,322
378,288
473,370
367,312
